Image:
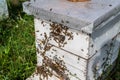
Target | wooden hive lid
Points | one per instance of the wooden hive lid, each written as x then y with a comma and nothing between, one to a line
77,15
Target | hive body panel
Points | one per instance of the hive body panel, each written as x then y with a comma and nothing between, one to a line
102,50
70,42
103,59
75,41
76,71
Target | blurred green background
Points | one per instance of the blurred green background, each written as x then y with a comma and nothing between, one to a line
17,45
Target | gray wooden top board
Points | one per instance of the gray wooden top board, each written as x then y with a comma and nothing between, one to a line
3,9
77,15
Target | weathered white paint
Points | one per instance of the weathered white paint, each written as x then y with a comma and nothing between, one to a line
36,77
99,37
40,30
80,49
78,70
95,27
84,68
99,61
80,64
3,9
79,14
68,58
102,35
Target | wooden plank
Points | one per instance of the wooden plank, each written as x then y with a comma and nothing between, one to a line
103,35
77,45
71,71
68,58
79,15
36,77
103,59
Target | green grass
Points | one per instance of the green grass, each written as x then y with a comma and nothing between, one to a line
17,46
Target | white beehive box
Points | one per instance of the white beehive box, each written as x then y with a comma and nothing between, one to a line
3,9
75,40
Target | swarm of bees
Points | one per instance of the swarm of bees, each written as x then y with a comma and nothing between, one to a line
58,33
47,68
